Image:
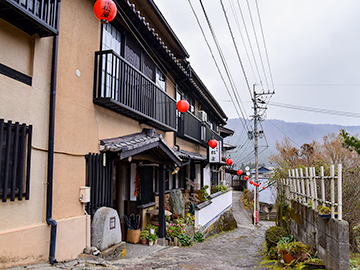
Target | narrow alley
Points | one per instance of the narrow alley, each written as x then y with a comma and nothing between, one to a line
237,249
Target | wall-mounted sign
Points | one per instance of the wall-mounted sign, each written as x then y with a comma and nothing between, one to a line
215,153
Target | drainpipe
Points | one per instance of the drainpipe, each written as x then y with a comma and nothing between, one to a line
49,192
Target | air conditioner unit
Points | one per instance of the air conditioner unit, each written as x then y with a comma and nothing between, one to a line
203,133
202,115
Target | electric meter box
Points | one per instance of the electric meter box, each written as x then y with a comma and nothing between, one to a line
84,194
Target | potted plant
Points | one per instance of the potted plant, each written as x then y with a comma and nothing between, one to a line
151,238
283,247
152,228
324,211
143,236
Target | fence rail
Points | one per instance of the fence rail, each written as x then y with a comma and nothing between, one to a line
313,190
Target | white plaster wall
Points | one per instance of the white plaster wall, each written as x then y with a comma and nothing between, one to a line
209,212
207,179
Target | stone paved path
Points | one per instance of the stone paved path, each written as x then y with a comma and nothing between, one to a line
237,249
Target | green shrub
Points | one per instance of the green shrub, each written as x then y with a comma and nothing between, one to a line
185,240
218,188
199,237
273,235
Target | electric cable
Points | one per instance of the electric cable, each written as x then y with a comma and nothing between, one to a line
214,59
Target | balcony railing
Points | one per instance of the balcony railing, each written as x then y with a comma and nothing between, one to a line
122,88
31,16
190,127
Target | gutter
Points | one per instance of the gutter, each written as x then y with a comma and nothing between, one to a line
49,192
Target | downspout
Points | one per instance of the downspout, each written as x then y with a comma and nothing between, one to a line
49,192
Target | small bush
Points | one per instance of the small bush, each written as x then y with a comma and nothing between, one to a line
273,235
185,240
199,237
218,188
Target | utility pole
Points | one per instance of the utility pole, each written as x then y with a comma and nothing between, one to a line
257,118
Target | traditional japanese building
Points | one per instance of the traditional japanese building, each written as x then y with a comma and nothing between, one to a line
86,104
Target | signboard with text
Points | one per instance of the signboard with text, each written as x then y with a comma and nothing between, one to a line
215,153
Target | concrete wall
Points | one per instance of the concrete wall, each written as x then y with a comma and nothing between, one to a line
329,237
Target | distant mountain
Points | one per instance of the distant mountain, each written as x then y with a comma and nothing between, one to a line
277,130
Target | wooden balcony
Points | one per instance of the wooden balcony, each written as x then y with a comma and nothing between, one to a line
31,16
192,128
122,88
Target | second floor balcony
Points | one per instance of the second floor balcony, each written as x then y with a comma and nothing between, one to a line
122,88
31,16
192,128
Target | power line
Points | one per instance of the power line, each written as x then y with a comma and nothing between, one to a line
282,132
266,51
257,42
316,110
217,66
236,49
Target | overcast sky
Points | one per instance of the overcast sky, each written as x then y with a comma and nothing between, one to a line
313,49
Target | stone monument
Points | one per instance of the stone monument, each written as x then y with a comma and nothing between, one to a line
105,228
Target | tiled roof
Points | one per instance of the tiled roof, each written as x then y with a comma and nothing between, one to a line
185,155
131,141
137,143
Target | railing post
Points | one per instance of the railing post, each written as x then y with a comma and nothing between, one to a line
307,179
312,192
298,185
304,200
323,198
332,175
315,189
339,191
290,185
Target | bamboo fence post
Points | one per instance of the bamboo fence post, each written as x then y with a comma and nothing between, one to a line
339,191
322,186
332,175
307,180
315,189
304,201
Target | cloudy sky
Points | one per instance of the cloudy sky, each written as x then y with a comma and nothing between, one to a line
313,49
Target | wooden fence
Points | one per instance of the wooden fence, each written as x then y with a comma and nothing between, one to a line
313,190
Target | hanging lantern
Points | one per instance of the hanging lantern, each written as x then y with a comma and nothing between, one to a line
239,172
246,177
212,143
105,10
229,161
251,182
182,105
264,187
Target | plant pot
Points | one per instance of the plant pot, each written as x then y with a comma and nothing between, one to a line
287,257
326,216
151,243
143,241
155,242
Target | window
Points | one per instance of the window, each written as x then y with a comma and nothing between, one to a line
111,40
15,152
160,80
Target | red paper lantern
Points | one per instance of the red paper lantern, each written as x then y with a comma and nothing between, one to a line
264,187
105,10
239,172
251,182
212,143
246,177
182,105
229,161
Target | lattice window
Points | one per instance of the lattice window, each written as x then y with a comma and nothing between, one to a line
15,153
